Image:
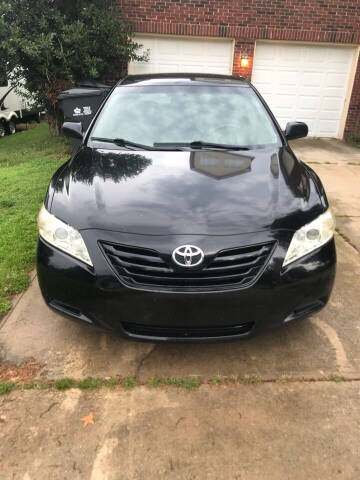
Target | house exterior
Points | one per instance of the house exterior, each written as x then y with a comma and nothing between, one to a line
302,55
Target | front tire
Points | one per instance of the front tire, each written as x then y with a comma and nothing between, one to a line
10,128
2,129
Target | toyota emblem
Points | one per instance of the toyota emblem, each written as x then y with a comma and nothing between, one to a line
188,256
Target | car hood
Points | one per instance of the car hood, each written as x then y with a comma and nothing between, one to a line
183,192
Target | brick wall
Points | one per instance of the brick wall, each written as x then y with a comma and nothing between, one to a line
333,21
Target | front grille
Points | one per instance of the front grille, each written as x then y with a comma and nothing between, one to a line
187,332
145,268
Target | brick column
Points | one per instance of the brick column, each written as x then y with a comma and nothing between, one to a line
352,126
243,49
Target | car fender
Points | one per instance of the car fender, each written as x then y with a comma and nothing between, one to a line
8,116
319,186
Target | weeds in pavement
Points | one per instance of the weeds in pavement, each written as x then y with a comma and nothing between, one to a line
90,383
111,383
44,386
216,380
64,384
251,380
153,383
6,387
28,386
129,382
191,383
337,379
175,382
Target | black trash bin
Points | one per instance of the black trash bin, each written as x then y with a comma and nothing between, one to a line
81,103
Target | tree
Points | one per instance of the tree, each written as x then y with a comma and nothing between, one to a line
47,46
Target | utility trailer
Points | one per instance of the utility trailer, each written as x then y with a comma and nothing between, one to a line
15,108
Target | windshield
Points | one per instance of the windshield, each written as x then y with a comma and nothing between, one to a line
184,114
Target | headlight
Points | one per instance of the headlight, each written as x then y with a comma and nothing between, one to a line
62,236
310,237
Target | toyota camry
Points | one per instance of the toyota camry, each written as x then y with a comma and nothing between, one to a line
184,215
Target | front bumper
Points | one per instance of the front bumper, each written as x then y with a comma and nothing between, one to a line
97,297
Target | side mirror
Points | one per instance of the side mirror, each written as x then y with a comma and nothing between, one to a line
73,130
295,130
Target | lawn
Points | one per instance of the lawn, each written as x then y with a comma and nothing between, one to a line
27,162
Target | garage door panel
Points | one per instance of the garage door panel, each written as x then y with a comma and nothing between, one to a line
313,79
263,76
327,127
166,68
181,54
284,101
288,77
192,68
313,56
139,67
332,104
309,102
168,48
216,69
335,80
332,116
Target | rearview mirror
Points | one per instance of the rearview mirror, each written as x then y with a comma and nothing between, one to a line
73,130
295,130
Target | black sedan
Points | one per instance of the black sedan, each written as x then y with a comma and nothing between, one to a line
185,216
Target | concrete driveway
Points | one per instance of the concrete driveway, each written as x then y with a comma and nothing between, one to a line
255,429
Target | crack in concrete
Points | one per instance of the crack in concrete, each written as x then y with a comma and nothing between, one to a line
143,360
48,409
346,239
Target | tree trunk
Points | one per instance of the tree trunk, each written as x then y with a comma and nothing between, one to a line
55,119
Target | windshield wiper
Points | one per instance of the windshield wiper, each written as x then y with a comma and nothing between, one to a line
200,144
120,142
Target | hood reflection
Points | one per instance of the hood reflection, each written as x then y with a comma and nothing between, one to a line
219,165
109,165
182,192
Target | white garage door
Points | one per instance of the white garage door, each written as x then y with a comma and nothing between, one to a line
181,54
304,82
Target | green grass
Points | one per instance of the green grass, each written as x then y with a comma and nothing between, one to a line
174,382
44,386
216,380
28,386
64,384
153,383
27,162
111,383
129,382
90,383
31,144
251,380
338,379
6,387
191,383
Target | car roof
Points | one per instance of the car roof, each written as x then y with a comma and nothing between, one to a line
183,79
